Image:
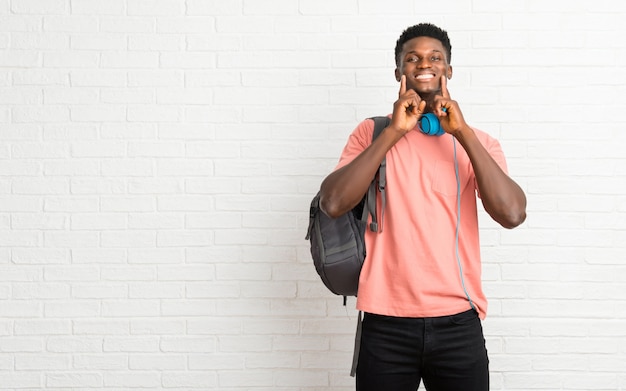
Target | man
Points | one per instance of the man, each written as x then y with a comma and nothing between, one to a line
420,286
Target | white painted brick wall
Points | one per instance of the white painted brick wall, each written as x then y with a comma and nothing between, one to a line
157,158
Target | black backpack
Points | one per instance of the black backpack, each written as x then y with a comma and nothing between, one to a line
338,245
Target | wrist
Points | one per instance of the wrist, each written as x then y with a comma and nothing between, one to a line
463,133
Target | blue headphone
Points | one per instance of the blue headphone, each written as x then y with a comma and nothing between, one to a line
429,124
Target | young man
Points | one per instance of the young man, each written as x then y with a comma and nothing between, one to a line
420,286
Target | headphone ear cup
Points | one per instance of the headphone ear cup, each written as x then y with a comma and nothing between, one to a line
429,124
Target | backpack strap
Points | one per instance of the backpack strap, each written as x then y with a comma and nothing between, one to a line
380,123
357,344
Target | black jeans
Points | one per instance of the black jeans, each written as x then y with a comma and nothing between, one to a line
447,353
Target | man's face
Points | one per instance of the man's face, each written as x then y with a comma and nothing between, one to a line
423,61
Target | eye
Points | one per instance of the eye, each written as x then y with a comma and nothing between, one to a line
412,59
435,58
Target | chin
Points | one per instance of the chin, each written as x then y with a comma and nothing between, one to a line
427,90
434,87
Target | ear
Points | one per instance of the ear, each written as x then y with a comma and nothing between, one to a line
398,74
449,72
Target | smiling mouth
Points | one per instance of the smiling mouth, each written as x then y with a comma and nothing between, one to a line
425,77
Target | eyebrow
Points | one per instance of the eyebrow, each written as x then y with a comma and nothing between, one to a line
432,51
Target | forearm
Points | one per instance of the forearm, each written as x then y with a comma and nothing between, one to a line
501,196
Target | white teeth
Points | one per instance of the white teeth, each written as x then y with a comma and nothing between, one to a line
425,76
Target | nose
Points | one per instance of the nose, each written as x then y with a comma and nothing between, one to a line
424,62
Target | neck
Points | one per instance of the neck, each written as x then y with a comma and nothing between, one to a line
430,99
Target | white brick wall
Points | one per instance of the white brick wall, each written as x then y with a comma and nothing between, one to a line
157,158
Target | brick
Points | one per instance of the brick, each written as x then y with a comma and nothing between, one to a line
123,239
126,273
27,221
20,239
21,380
36,114
42,363
65,132
213,220
107,327
109,41
41,291
153,113
328,7
127,379
70,24
104,362
167,362
71,96
156,221
113,24
70,239
188,308
188,344
13,309
63,344
40,8
192,379
185,24
21,96
130,308
71,59
305,378
184,203
214,7
98,78
95,7
96,186
252,378
72,309
284,290
157,149
212,185
188,60
182,96
127,168
155,256
19,23
238,307
214,326
155,78
157,326
158,290
39,41
152,42
117,60
70,379
213,361
155,7
99,291
40,256
97,222
213,254
21,345
213,42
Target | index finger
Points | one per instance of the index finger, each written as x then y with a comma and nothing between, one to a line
402,85
444,87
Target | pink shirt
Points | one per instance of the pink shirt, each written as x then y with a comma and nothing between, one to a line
411,268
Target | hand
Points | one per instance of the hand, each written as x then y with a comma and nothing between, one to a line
407,109
451,119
